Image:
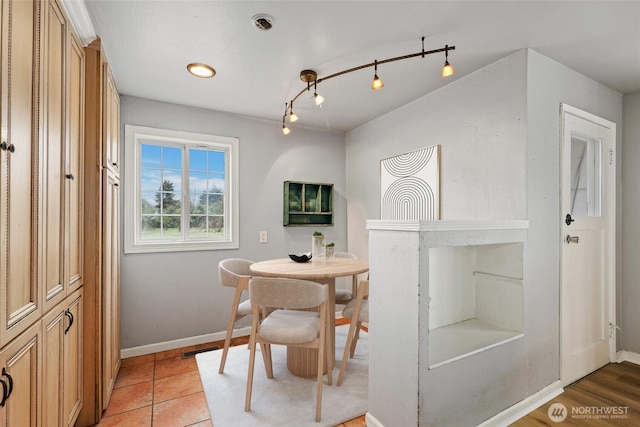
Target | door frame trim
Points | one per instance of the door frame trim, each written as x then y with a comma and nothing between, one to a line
611,222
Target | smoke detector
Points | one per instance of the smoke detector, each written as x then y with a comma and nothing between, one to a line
263,22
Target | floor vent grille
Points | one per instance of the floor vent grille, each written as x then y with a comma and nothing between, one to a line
192,353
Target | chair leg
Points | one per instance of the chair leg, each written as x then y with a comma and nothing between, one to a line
266,356
232,321
354,342
252,359
347,347
321,356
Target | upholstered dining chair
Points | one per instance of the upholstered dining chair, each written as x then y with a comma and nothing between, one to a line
358,311
290,324
343,296
234,273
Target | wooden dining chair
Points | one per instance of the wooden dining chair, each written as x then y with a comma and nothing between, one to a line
343,296
234,273
290,324
358,311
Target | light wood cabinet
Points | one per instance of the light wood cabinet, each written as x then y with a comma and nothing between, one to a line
41,200
21,302
102,235
62,380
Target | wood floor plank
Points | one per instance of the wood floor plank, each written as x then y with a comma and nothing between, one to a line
608,397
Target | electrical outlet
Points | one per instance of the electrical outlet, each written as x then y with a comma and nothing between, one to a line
263,237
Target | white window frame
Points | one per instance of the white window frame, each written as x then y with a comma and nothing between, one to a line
134,135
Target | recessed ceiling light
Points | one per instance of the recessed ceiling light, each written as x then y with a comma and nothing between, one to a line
262,21
201,70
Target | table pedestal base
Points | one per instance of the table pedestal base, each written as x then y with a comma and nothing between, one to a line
303,362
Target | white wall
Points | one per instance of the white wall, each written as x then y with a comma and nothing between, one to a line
630,280
479,121
173,296
499,131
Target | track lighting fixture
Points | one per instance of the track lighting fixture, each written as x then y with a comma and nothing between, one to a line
377,82
310,76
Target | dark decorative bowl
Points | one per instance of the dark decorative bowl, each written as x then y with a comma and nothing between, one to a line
300,257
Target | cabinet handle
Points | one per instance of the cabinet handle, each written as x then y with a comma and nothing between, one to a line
115,164
4,393
70,316
7,147
8,392
70,176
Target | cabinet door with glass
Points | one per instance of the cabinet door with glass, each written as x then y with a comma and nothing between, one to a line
307,204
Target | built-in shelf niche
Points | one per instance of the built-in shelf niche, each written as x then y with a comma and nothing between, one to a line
476,299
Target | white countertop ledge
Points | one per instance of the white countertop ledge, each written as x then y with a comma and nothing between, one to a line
447,225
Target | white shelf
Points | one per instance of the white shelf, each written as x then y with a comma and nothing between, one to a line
462,339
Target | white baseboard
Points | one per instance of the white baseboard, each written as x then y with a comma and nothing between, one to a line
522,408
183,342
628,356
371,421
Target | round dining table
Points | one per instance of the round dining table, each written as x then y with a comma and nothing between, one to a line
303,362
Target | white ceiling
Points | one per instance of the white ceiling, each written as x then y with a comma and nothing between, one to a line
149,44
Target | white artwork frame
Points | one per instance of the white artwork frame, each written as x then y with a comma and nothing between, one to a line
410,185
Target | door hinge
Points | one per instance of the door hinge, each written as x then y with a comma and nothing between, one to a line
612,329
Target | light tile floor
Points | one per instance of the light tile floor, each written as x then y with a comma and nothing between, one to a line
164,390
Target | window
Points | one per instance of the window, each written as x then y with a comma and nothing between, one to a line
181,191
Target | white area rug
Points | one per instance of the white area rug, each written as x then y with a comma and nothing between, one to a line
285,400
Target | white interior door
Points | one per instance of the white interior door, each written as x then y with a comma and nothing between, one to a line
588,244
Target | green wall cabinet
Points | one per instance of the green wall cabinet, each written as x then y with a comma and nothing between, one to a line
308,203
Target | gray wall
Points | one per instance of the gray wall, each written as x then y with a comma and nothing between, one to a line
630,289
499,131
171,296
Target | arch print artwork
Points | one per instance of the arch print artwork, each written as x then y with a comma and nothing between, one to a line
410,185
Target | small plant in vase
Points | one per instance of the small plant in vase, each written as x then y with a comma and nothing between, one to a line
330,250
317,246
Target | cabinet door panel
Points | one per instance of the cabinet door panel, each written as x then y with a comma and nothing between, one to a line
72,381
18,168
54,325
62,386
52,153
74,175
111,122
22,361
111,290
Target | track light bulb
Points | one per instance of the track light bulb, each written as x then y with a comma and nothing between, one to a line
293,117
319,99
447,70
285,129
377,82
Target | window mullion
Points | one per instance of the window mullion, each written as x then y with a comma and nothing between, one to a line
186,200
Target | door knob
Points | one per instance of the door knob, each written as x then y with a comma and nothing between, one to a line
568,220
571,239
